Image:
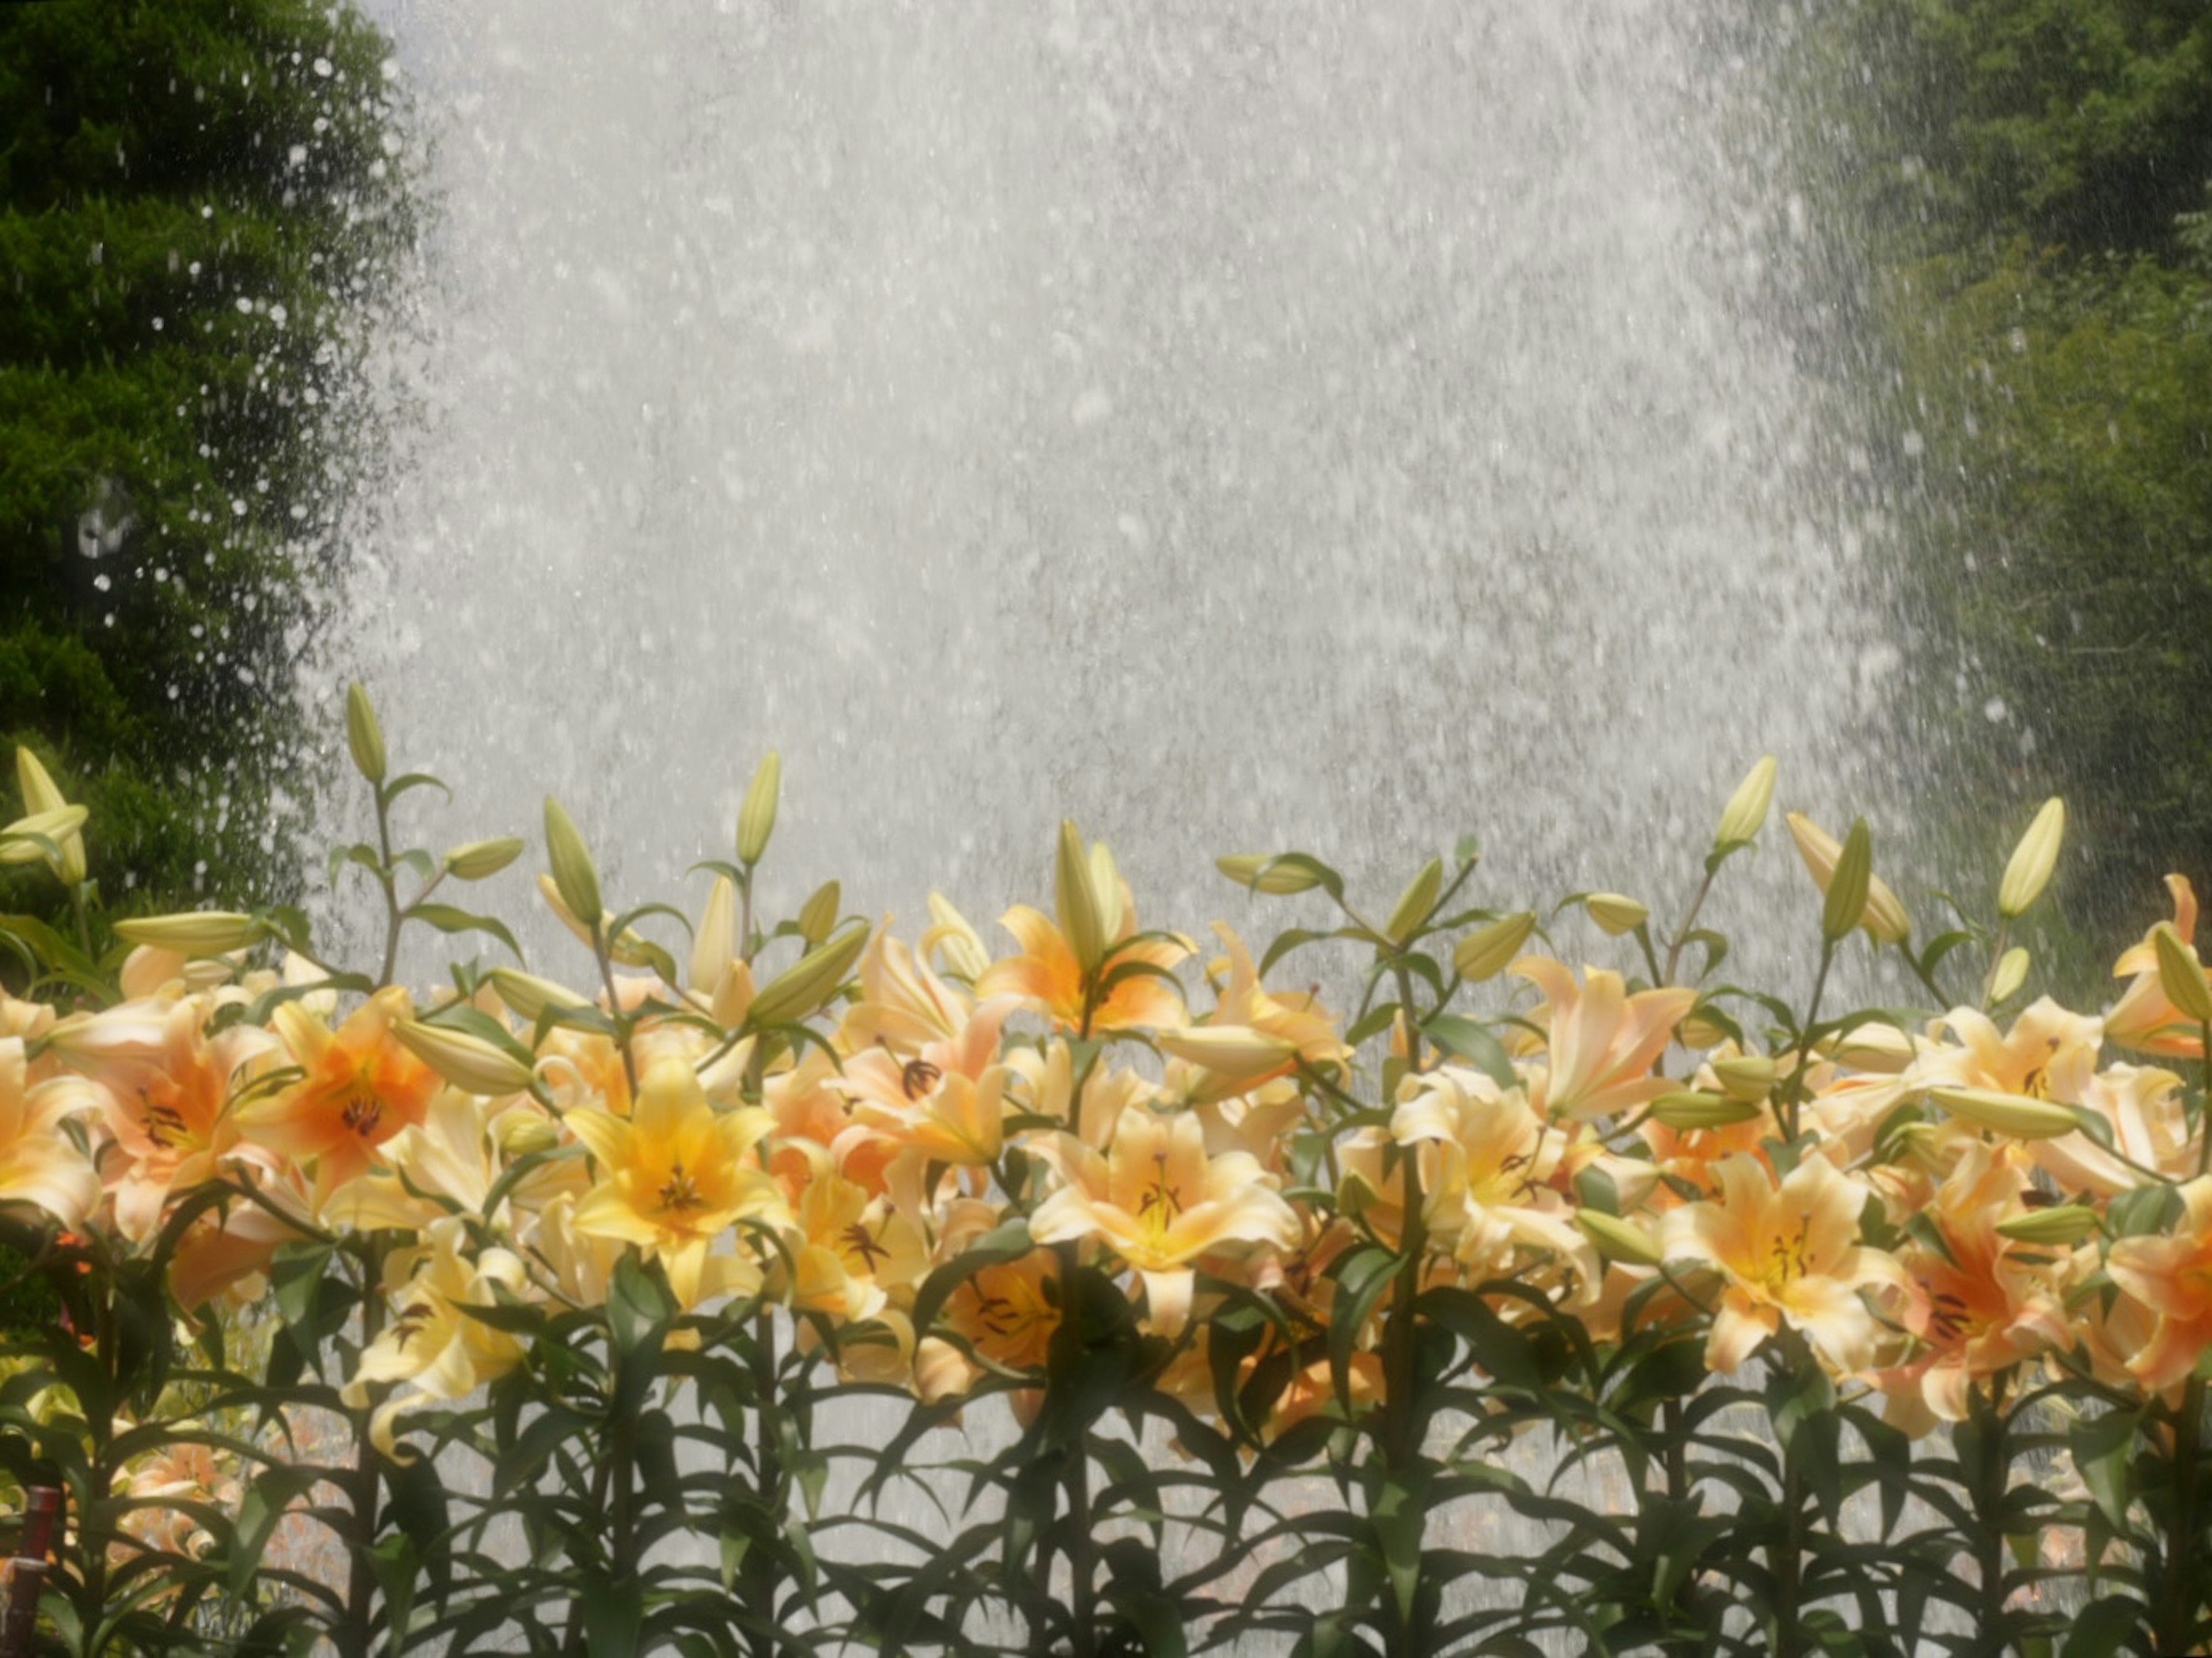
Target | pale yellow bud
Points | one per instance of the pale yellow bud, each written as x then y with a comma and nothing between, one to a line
574,874
1749,1077
1745,815
2066,1223
477,860
819,913
1691,1109
2029,871
2180,975
733,994
1883,916
2015,1115
1081,919
715,946
804,986
1488,951
41,796
2011,973
469,1063
756,818
1236,1054
1250,869
525,1134
197,933
1617,1239
1615,914
364,737
58,826
527,996
1699,1030
1415,902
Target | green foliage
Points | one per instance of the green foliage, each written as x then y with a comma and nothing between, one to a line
197,211
2031,177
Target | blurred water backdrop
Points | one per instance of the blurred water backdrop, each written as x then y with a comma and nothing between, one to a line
1239,424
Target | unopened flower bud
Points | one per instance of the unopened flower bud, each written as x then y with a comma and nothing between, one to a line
469,1063
42,796
574,874
1617,1239
819,913
1689,1110
2029,871
2180,975
2015,1115
1415,902
1615,914
1236,1054
756,818
958,943
364,737
479,859
1488,951
1883,916
197,933
58,826
1253,870
1078,901
804,986
524,1133
527,996
2065,1222
2011,973
1748,1077
1745,815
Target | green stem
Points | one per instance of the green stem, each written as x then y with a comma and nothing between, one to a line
1682,931
2183,1572
390,884
768,1469
1793,1093
1082,1554
1788,1560
353,1639
1990,1540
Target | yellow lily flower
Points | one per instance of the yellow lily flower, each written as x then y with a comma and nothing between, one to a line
39,1165
1159,1202
1786,1254
675,1173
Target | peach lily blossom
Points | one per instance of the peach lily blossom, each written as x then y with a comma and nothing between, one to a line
1600,1042
360,1088
2172,1277
2145,1017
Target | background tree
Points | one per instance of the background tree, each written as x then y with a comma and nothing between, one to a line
202,203
2029,180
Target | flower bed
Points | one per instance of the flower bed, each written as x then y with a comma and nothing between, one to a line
1269,1288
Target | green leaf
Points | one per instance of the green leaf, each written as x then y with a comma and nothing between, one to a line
614,1616
1401,1523
2102,1627
1364,1275
273,1491
639,1308
1008,1241
2104,1455
449,920
1467,1039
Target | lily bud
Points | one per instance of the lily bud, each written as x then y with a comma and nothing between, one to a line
1615,914
1415,902
1488,951
2015,1115
2011,973
1081,920
1692,1108
1748,1077
715,944
527,996
2067,1222
41,796
804,986
1617,1239
733,995
1884,916
819,913
1698,1029
574,874
2180,976
1235,1053
197,933
56,826
1250,869
523,1133
2033,860
756,818
479,859
628,948
364,737
1845,899
1745,815
469,1063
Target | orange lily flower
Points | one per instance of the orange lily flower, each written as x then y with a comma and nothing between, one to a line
1601,1041
1047,977
1786,1254
2145,1019
361,1088
2172,1277
38,1163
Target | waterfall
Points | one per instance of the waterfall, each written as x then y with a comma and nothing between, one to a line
1238,426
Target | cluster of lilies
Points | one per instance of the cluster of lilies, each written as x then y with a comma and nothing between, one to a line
1929,1206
